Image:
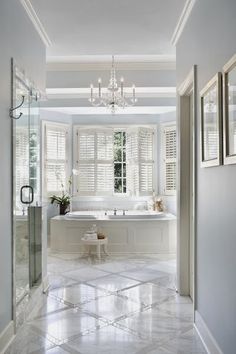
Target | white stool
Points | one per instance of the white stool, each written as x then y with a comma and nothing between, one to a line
98,243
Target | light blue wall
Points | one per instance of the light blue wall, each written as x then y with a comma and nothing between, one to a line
208,40
18,39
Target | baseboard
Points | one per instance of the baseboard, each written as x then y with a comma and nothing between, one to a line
206,336
45,284
6,337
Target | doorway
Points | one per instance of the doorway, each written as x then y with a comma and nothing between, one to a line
186,196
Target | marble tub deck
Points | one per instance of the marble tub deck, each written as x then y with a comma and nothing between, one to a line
120,304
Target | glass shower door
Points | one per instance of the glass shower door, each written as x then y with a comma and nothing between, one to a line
22,194
27,243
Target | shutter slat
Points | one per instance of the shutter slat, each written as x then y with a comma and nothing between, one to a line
56,158
169,159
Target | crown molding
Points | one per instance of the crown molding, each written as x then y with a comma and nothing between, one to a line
36,22
103,62
182,21
84,92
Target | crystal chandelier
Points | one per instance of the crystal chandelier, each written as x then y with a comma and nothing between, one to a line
113,97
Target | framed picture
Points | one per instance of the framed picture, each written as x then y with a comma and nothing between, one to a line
211,122
229,99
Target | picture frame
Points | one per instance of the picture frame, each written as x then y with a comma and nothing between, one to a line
229,111
211,122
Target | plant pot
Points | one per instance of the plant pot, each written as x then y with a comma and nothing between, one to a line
63,209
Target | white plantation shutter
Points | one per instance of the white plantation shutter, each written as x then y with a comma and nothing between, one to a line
94,151
169,159
140,161
146,161
132,160
56,158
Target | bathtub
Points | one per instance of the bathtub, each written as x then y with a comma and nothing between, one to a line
138,231
107,215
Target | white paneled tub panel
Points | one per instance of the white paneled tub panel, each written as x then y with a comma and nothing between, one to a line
139,235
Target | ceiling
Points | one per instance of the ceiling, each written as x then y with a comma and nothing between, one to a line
105,27
83,34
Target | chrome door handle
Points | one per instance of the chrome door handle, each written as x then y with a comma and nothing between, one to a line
31,194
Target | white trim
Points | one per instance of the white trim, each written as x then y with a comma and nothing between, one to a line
6,337
84,92
103,62
182,21
188,87
206,336
36,22
105,111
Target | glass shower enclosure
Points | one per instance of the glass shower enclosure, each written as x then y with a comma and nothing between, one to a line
26,218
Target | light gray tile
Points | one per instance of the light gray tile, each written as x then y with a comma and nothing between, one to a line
168,281
113,282
147,294
183,309
58,281
188,343
143,274
27,341
108,340
115,267
77,294
111,308
46,306
156,325
167,267
85,274
61,326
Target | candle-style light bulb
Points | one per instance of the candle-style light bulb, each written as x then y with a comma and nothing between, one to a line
122,86
133,93
91,92
99,87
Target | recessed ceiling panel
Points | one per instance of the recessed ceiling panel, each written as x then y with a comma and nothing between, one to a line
103,27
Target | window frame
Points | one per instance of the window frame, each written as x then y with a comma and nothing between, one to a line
57,126
115,127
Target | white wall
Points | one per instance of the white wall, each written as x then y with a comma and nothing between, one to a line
19,40
208,40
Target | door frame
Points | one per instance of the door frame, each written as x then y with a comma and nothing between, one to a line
184,195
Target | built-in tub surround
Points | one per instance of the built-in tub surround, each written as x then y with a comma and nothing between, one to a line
136,231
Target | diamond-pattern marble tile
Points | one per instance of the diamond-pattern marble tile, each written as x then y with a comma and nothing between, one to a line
108,340
85,274
77,294
111,308
113,282
57,281
28,341
155,325
62,326
116,267
183,309
119,304
187,343
147,294
47,306
143,274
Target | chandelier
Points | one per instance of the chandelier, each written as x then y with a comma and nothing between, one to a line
113,97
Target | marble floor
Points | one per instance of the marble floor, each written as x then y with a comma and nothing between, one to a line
120,304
